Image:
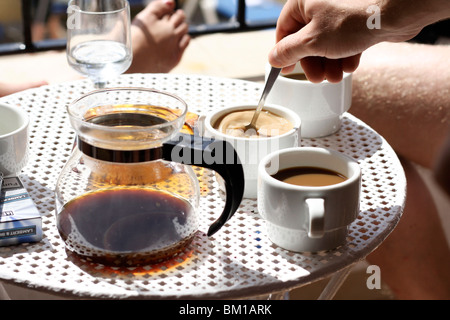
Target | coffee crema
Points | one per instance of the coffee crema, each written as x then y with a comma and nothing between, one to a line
309,176
267,125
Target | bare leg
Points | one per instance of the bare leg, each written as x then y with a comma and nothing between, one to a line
400,91
9,88
403,91
415,259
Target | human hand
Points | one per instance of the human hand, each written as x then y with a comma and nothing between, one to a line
159,38
328,37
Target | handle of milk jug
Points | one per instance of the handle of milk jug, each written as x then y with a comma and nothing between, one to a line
216,155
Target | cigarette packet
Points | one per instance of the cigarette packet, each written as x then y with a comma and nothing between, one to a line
20,220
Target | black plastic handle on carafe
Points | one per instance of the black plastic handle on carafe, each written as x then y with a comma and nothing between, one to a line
216,155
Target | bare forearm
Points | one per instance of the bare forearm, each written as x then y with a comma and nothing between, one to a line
403,91
401,19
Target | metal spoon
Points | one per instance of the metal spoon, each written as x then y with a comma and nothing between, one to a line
274,72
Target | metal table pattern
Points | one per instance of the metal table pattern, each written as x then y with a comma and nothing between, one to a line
237,262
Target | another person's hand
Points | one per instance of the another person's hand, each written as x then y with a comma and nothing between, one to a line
159,38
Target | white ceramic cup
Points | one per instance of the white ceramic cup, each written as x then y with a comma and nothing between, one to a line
300,218
14,145
319,105
252,150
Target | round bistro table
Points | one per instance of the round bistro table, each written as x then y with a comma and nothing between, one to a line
237,262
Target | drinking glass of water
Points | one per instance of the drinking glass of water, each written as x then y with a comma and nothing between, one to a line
99,38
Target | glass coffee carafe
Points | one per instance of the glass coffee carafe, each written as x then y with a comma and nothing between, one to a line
128,195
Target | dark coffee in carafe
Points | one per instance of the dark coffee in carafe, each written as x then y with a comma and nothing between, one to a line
127,226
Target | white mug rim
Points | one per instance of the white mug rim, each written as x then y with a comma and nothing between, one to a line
309,83
22,114
270,107
288,186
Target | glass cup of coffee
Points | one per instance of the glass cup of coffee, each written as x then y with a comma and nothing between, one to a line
278,128
308,197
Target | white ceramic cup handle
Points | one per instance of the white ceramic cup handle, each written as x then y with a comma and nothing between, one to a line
201,125
316,211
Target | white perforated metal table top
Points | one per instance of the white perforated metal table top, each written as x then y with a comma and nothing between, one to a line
239,260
